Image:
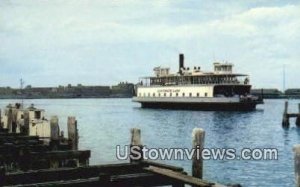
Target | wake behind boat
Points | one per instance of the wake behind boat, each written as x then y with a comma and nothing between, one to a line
195,89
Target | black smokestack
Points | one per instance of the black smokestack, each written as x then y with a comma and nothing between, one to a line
181,62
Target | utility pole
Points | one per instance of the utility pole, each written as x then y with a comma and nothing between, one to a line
21,88
283,78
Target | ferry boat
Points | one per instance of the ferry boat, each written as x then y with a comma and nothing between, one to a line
194,89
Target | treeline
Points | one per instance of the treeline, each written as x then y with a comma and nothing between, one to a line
123,90
276,94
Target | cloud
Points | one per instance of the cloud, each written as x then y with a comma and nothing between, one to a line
57,38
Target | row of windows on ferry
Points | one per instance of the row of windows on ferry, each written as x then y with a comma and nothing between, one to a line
172,95
197,80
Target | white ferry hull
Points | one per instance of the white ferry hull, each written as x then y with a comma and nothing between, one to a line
205,104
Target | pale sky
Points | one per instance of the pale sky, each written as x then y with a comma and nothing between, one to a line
56,42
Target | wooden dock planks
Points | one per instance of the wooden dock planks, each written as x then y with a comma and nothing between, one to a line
49,165
125,174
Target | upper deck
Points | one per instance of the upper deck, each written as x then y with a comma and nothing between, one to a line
222,74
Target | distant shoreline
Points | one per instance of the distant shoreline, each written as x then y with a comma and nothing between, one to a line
112,97
271,93
122,90
118,97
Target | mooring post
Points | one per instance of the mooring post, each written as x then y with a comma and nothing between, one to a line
14,120
62,135
285,119
9,118
298,117
2,176
73,132
296,150
198,145
136,146
54,143
54,128
26,129
1,126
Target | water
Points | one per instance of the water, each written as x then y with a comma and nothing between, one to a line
105,123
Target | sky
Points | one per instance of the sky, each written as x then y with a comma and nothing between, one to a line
103,42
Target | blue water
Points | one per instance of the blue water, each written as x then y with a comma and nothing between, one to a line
105,123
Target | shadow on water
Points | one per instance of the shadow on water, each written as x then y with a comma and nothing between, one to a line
233,120
286,133
289,133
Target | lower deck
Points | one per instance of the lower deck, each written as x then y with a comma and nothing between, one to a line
201,103
203,106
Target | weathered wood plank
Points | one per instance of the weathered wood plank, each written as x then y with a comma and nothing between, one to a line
54,128
3,130
292,115
136,142
198,144
16,136
141,179
285,118
296,150
73,132
126,180
61,154
147,163
26,122
127,174
298,117
9,118
58,174
7,149
1,124
179,177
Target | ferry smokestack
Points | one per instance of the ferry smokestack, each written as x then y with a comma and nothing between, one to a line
181,63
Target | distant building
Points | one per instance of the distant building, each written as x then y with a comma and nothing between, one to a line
267,93
293,92
91,91
123,89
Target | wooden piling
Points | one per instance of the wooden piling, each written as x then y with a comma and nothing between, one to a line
104,179
26,122
9,119
136,145
54,128
2,176
14,120
73,132
298,117
54,164
285,118
62,134
198,145
296,150
1,124
54,139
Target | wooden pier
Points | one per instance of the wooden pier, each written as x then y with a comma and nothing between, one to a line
136,173
22,149
286,116
29,160
126,174
23,152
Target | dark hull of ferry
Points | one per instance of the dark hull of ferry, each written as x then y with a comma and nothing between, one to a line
242,106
